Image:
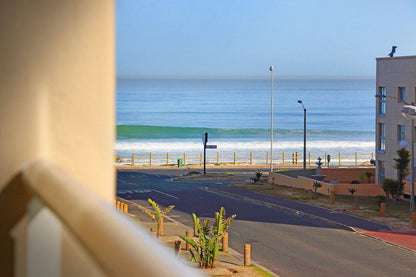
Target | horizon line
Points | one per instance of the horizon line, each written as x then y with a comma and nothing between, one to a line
245,78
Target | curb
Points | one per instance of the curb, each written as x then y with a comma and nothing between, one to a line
231,251
290,210
328,221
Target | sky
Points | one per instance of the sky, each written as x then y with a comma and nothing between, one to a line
241,38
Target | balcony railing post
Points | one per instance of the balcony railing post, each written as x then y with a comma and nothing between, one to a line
339,159
267,158
234,158
167,159
150,159
132,159
356,159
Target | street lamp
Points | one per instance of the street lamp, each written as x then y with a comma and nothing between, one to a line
271,120
409,112
304,137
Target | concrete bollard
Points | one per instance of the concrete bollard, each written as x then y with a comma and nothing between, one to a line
356,202
332,197
225,242
247,255
177,247
382,209
126,209
188,235
413,216
309,194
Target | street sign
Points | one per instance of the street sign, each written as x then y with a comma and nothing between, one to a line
211,146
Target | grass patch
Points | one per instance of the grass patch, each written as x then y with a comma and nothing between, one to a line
261,271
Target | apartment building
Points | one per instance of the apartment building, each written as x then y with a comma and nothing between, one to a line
396,86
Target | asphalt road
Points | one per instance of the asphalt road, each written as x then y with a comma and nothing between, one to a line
287,244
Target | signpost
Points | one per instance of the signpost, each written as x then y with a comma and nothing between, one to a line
206,146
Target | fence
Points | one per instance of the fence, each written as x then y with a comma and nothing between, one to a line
244,158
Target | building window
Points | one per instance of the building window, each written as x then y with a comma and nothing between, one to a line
381,137
382,100
401,94
400,132
381,171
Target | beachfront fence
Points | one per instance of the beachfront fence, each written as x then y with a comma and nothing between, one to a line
244,158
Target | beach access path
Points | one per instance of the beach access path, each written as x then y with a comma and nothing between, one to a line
287,243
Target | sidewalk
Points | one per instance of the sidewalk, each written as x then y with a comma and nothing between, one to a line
406,240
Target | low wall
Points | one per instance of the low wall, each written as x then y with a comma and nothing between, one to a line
346,175
339,189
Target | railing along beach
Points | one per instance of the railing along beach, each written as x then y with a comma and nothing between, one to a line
337,159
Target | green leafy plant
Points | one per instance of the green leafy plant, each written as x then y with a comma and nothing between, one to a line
368,175
157,215
257,176
352,190
316,185
381,199
205,248
402,165
390,187
362,177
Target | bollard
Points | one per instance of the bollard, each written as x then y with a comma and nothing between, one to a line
309,194
332,197
247,258
177,247
356,202
413,216
225,242
382,209
126,208
188,235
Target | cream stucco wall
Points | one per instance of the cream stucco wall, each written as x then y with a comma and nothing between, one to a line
57,88
393,73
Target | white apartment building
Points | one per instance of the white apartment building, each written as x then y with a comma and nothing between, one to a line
396,85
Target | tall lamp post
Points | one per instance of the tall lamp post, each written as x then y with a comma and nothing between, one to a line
271,121
304,137
409,112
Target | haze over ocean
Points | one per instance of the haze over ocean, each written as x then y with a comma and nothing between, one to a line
169,115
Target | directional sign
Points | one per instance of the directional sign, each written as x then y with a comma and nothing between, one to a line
211,146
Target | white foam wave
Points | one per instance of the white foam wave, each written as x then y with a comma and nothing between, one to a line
192,146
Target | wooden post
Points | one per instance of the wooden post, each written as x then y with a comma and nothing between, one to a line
184,159
413,218
356,202
267,158
218,158
178,247
234,158
296,157
126,209
382,209
188,235
225,242
356,159
247,256
251,157
339,159
132,159
293,158
118,205
167,159
283,158
332,197
372,155
325,159
200,159
150,159
309,163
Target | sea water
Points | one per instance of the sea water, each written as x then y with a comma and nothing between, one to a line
170,115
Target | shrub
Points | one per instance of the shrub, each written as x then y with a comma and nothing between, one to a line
257,177
368,175
381,199
316,185
158,215
352,190
355,182
204,250
390,187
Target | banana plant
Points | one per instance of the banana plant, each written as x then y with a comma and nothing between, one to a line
158,215
204,250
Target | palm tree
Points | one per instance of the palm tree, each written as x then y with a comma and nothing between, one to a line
402,166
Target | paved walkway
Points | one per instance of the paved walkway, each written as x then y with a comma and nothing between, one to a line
369,228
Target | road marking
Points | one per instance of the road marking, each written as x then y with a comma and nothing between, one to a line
166,194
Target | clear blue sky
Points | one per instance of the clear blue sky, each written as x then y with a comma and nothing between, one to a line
238,38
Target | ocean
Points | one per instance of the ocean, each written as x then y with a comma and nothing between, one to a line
170,115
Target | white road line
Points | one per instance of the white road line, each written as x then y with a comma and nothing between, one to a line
165,194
